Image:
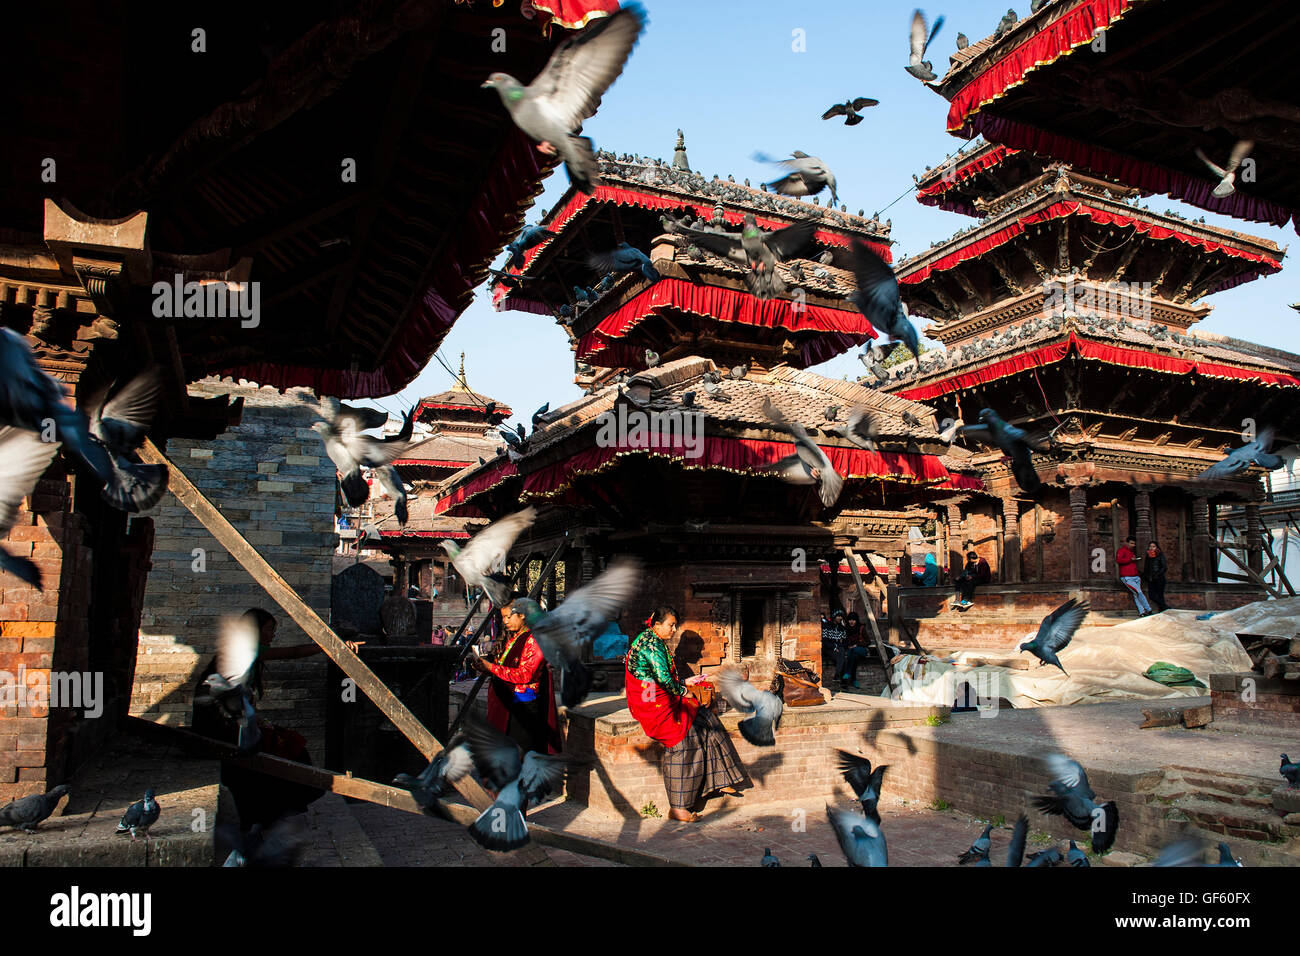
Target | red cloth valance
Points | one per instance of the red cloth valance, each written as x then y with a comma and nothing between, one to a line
492,475
1035,358
1049,44
430,463
574,14
933,195
440,535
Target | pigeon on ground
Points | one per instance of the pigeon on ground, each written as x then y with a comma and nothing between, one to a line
278,846
755,249
1291,771
567,92
738,372
519,783
1055,632
860,838
482,562
1239,459
809,464
235,684
23,459
1077,857
1049,857
1073,799
1228,174
563,634
623,258
878,299
342,430
979,849
32,400
766,707
1013,442
807,177
531,236
920,39
769,859
851,110
26,812
813,860
435,780
140,816
1016,848
866,783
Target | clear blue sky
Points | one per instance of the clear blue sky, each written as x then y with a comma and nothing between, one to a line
726,74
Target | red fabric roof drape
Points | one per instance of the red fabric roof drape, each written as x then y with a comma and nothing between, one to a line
573,14
933,195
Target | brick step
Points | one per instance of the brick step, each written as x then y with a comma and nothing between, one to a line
1242,822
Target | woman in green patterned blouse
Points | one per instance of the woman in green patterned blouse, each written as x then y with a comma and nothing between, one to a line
699,756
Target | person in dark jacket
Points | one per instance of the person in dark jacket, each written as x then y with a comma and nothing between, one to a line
1154,571
975,573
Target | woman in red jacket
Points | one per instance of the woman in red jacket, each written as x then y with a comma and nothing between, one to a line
521,698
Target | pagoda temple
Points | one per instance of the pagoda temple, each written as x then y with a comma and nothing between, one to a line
1070,309
734,549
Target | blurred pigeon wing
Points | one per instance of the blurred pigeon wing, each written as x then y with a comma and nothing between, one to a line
979,433
1058,627
1016,850
837,110
856,771
1185,852
23,459
494,754
589,608
739,692
237,649
121,423
1069,774
542,774
585,66
789,241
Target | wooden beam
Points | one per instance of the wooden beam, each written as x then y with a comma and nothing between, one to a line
871,617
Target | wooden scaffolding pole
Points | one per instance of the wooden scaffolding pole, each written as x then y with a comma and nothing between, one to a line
871,617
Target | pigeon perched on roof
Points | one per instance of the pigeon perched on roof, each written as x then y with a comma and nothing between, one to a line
1291,771
25,813
540,417
567,92
865,781
1013,442
919,39
1239,459
860,838
520,783
979,849
851,110
877,297
764,706
624,258
530,236
23,459
807,177
769,859
234,685
1056,631
809,464
1074,799
434,781
482,562
1228,173
342,429
738,372
563,634
963,41
140,816
1008,21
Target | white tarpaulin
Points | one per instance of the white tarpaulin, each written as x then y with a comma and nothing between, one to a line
1104,663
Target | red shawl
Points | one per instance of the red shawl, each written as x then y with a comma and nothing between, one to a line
663,717
522,664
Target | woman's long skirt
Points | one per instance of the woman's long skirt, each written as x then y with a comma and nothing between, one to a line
704,761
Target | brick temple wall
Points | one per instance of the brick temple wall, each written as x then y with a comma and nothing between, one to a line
272,480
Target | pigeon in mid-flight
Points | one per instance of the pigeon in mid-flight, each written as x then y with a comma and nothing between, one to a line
865,781
1015,443
26,812
877,297
140,816
23,459
342,428
764,706
234,685
1056,631
755,249
482,562
1072,798
118,425
520,783
624,258
860,838
1019,836
529,237
1291,771
851,110
861,429
552,109
919,40
809,464
1252,453
807,177
435,780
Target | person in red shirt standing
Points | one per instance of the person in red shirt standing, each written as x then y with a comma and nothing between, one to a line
1126,559
521,695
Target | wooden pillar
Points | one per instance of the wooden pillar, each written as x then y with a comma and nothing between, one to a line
1254,538
588,565
955,557
1184,556
833,601
1010,539
905,564
1144,532
1202,566
1078,528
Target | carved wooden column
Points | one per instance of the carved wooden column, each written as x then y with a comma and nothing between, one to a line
955,557
1010,539
1143,532
1202,568
905,565
1254,538
1078,528
588,565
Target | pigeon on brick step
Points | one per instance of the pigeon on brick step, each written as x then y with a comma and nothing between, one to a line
26,812
1291,771
140,816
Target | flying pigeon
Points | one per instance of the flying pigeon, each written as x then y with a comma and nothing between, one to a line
755,249
234,685
1073,799
860,838
140,816
342,430
807,177
766,707
1049,857
1013,442
531,236
1055,632
448,766
851,110
568,91
562,634
482,562
878,299
809,464
1016,848
1291,771
30,399
920,40
275,847
769,859
1188,851
1228,174
979,849
862,429
118,425
1239,459
26,812
623,258
519,784
23,459
866,783
1076,857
